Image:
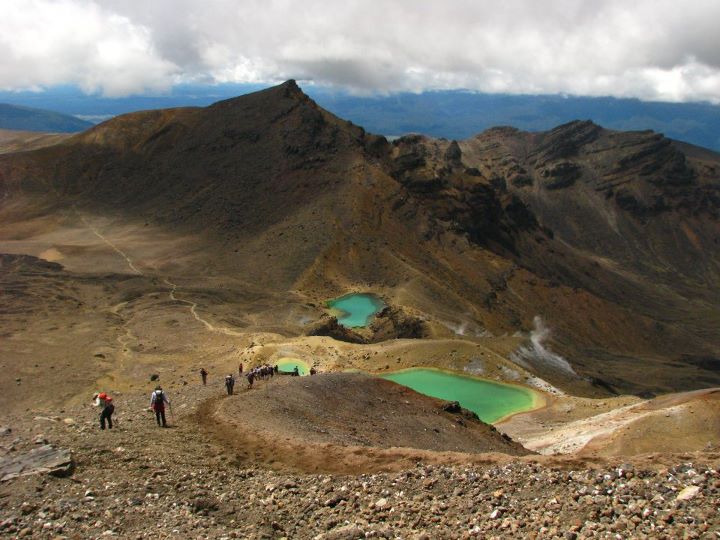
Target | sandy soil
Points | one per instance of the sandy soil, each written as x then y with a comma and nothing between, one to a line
683,422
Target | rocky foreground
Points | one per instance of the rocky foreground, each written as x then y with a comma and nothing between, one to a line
140,481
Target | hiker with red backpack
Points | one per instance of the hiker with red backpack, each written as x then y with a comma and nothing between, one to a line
158,399
104,401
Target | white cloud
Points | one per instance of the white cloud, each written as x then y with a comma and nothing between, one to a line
49,42
652,49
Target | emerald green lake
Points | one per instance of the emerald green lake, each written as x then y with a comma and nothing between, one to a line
490,400
355,310
287,365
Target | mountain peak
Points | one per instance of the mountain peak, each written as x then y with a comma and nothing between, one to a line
289,90
291,86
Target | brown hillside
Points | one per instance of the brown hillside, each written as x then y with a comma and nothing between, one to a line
313,424
20,141
259,208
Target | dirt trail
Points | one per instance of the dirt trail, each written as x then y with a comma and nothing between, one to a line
109,243
193,311
173,286
573,436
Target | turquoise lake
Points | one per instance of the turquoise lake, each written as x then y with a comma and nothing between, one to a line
490,400
355,310
287,365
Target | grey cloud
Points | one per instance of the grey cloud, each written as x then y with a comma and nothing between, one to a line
652,49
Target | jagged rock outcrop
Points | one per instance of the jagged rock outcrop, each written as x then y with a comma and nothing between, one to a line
395,323
390,323
565,141
328,325
561,175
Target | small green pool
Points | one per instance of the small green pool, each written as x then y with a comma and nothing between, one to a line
491,401
287,365
355,310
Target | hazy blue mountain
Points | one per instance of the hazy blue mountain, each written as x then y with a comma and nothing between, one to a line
448,114
459,115
28,119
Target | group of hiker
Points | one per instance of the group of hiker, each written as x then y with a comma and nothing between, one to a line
260,372
158,398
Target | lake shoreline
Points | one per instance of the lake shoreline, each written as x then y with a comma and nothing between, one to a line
538,398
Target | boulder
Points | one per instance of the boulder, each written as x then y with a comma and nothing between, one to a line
688,493
43,460
452,407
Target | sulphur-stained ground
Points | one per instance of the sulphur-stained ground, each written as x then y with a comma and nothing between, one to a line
626,425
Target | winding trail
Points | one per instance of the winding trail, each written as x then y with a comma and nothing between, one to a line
173,288
109,243
124,339
194,313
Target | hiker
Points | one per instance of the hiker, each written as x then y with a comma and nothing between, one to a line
105,402
296,372
313,371
158,399
203,374
240,369
229,383
250,378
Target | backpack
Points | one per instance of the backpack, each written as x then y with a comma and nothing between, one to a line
159,397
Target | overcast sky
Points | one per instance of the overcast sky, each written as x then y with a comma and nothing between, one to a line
651,49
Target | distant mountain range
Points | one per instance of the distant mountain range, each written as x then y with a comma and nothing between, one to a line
460,115
448,114
22,118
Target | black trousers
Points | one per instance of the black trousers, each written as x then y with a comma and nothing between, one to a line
160,414
106,414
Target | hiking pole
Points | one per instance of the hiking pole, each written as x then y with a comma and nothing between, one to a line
172,414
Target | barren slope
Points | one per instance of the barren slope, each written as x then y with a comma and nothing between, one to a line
245,216
319,423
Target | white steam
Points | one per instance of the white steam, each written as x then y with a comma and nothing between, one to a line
537,355
466,328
